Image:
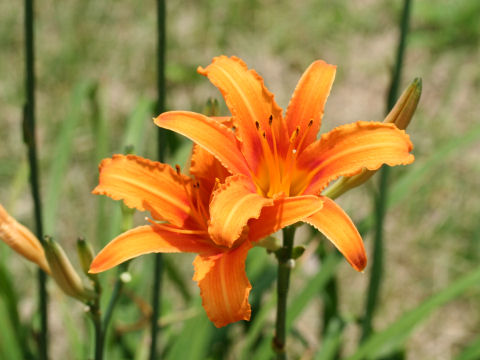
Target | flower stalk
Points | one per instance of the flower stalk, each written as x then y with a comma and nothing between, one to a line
30,141
381,199
162,137
285,261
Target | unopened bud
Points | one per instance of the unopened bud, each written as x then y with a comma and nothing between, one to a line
85,254
64,273
22,240
405,107
400,115
211,107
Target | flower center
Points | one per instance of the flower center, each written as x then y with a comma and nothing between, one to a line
278,173
197,208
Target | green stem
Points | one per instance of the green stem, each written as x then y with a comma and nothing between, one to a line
381,200
99,329
284,256
30,140
117,289
162,136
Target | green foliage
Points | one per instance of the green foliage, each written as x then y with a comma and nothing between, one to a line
62,155
398,332
112,43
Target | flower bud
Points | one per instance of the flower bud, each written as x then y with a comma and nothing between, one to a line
405,107
211,107
22,240
85,256
400,115
64,273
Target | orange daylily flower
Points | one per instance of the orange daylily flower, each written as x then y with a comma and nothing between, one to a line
181,205
278,157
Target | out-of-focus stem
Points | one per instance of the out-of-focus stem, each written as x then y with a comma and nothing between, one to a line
284,256
30,140
381,199
162,137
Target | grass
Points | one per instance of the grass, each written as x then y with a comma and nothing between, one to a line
432,231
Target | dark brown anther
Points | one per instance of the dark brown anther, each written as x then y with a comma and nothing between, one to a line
297,130
177,167
264,135
310,123
270,120
257,125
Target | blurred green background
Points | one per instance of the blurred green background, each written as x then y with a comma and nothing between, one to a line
96,68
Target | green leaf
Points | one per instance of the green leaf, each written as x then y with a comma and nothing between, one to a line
192,343
312,289
61,155
10,300
136,126
9,346
175,276
331,342
396,333
471,352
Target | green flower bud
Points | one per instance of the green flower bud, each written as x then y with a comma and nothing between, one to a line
64,273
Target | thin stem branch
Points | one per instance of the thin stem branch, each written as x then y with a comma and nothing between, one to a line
117,290
162,137
284,256
97,323
381,199
30,141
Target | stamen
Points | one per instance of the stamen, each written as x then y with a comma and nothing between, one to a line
257,125
290,160
190,196
200,207
304,135
274,141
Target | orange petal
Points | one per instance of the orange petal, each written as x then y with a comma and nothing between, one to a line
249,101
308,100
145,185
284,212
232,205
348,149
22,240
224,286
340,230
209,134
144,240
206,169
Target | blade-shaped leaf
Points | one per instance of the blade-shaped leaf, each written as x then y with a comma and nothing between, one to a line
396,333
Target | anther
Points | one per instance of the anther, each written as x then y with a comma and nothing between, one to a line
270,120
264,135
310,123
257,125
177,167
